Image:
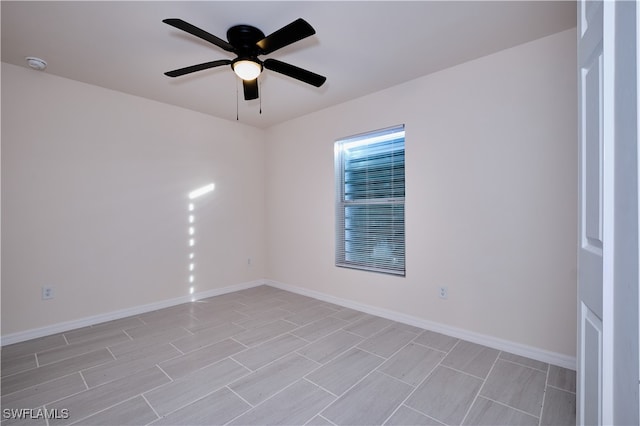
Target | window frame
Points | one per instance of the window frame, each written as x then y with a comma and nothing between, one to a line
374,139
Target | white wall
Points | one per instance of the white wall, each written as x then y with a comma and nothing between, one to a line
94,186
491,208
94,200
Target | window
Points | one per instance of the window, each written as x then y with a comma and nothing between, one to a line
369,171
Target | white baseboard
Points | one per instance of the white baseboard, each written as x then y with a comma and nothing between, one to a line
542,355
482,339
34,333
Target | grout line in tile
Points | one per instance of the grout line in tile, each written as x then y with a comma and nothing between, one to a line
317,385
429,347
396,378
182,353
523,365
86,385
464,372
370,353
165,373
127,334
415,388
239,396
484,382
560,389
419,412
544,395
151,406
322,417
508,406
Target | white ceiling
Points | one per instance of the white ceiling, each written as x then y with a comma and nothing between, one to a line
361,47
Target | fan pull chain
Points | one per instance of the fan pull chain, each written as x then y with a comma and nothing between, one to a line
237,101
259,98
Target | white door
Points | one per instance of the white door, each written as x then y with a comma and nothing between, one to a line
591,206
608,248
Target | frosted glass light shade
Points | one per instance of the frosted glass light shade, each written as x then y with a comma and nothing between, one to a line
247,70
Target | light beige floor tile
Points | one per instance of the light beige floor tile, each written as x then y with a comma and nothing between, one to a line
94,400
329,347
387,342
56,370
538,365
412,363
32,346
339,375
185,364
368,325
17,364
207,337
436,340
129,364
193,386
516,386
320,328
445,395
219,408
257,335
350,315
259,306
406,416
105,328
215,315
489,413
133,412
257,319
318,421
370,402
267,381
285,357
310,315
160,320
122,349
562,378
26,418
471,358
90,343
159,331
263,354
295,405
44,393
559,408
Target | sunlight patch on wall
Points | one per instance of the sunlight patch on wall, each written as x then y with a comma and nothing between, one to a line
191,231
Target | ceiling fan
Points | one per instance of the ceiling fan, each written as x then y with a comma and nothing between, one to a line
248,43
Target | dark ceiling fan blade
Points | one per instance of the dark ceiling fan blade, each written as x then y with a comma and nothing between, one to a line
199,67
193,30
297,30
295,72
250,89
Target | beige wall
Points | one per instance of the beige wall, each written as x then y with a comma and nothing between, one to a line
94,186
94,200
491,187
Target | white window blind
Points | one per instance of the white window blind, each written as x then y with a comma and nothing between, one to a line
369,170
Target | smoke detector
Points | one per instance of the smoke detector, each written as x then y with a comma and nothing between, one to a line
36,63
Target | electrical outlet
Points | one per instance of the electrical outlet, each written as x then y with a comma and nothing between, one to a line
47,293
248,261
443,292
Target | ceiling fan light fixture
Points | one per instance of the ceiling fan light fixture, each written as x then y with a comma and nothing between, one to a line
247,69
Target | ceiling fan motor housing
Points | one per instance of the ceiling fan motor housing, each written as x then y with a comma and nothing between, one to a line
244,39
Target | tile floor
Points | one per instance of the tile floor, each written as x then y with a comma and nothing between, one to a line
267,356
